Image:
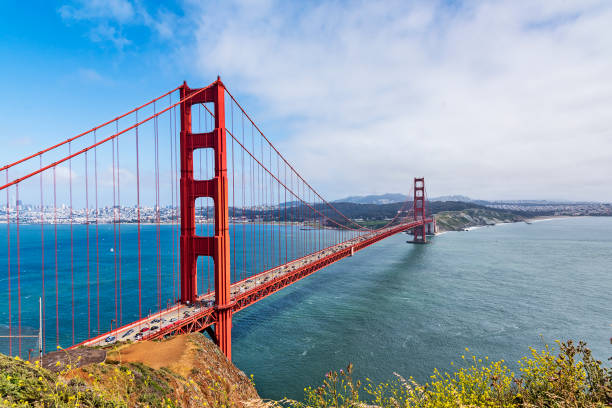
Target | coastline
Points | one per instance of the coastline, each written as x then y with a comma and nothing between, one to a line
530,220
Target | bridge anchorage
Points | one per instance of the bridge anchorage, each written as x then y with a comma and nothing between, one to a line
224,221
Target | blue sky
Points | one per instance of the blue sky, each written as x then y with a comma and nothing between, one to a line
58,80
484,98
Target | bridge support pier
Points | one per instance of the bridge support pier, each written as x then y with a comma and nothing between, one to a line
217,246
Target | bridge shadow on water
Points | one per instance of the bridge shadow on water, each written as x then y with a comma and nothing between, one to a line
372,309
269,309
326,281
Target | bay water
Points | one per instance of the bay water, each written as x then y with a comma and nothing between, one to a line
403,308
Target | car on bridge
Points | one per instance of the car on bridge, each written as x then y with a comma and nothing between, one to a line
127,333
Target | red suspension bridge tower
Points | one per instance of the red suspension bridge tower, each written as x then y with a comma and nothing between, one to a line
420,233
218,246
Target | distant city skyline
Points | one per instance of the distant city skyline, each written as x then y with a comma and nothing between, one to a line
494,100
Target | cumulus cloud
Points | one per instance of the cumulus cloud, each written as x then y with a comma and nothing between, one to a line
489,99
109,17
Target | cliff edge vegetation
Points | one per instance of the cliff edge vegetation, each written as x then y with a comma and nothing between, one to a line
190,371
569,378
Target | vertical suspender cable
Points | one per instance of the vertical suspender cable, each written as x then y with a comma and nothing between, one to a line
285,219
155,127
118,249
18,266
320,224
292,217
87,239
138,220
176,199
261,193
208,225
259,223
264,179
233,240
55,238
42,255
97,236
244,224
271,241
280,247
174,276
115,232
71,239
8,243
252,181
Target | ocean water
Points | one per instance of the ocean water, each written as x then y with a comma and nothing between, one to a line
397,307
393,307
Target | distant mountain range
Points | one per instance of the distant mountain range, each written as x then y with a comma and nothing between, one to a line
390,198
397,198
460,198
374,199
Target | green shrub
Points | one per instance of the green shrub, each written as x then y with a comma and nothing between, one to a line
571,378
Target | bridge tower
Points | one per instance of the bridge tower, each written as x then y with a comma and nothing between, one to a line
217,246
420,233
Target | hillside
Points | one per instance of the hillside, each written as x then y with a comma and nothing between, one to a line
452,215
185,371
473,217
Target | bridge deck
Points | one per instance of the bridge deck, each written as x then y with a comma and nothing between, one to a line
181,318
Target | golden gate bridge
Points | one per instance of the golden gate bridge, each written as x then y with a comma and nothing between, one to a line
217,220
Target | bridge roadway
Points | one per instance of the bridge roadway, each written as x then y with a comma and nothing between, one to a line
199,316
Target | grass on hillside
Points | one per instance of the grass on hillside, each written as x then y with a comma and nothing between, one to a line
569,378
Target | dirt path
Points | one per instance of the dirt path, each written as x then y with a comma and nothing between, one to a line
173,354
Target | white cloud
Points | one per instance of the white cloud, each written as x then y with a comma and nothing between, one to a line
120,10
164,23
105,32
110,16
488,99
